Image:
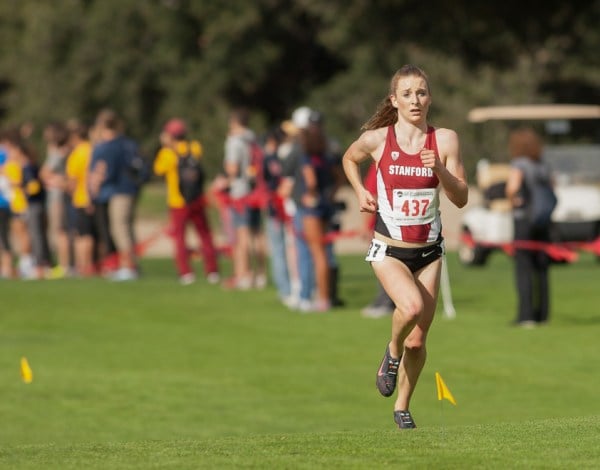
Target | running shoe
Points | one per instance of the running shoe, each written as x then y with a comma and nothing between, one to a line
187,279
260,281
404,420
234,283
124,275
376,311
57,272
387,374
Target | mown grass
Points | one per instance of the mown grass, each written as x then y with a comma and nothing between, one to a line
155,375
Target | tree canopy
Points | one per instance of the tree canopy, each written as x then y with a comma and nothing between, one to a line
156,59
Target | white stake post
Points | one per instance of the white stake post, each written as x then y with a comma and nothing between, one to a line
449,311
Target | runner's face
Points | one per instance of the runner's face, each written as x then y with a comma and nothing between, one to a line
412,98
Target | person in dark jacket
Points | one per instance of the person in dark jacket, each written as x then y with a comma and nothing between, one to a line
531,261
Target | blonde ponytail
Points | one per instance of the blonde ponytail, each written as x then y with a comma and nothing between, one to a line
385,115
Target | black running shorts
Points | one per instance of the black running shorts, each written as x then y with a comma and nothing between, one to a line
417,258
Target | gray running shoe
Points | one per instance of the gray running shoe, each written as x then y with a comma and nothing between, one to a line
376,311
404,419
387,374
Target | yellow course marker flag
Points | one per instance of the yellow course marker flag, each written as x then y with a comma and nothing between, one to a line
26,372
442,389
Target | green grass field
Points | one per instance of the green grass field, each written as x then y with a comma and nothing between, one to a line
155,375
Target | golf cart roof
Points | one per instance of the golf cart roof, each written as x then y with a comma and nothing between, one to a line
535,111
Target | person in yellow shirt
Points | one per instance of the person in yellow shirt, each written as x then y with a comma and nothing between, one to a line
6,253
77,182
14,174
179,162
13,171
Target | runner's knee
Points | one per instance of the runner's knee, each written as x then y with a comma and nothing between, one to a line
411,311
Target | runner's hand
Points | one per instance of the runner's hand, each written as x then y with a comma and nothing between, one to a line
367,202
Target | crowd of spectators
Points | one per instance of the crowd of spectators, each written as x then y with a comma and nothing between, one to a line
69,210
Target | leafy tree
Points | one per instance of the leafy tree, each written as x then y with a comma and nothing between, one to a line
155,59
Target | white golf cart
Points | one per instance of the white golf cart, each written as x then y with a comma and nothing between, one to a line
488,226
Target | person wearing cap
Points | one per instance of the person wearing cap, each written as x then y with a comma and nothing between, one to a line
290,189
311,183
311,179
175,147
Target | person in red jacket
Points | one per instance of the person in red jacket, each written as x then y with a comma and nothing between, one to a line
186,200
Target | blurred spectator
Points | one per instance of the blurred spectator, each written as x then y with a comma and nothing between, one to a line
314,185
13,170
382,305
249,250
105,251
53,177
529,170
276,217
77,170
179,161
37,222
6,256
112,186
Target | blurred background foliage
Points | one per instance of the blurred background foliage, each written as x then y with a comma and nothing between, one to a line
154,59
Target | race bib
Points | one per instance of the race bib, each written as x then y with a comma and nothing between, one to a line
376,251
414,206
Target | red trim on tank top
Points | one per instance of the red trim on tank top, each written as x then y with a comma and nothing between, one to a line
392,141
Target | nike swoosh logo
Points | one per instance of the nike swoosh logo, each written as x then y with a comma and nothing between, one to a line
425,255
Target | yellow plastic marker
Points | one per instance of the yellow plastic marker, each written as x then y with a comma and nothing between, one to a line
26,372
442,389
